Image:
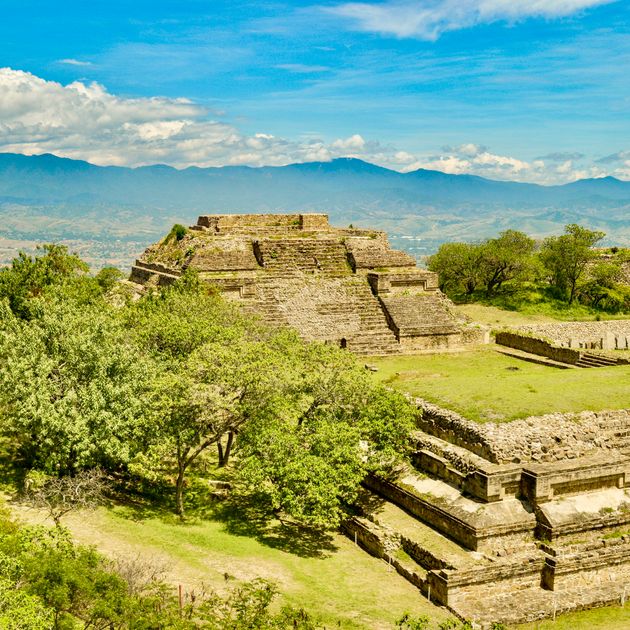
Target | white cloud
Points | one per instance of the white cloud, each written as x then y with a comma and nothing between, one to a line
428,19
85,121
353,143
74,62
478,160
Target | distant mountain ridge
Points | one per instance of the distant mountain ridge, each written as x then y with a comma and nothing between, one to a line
47,178
110,213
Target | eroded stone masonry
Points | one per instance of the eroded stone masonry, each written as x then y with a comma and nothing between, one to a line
508,522
344,286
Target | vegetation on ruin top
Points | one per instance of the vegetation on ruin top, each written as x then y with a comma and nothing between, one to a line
484,385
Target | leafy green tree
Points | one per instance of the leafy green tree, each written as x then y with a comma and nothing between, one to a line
172,323
221,387
74,387
108,277
76,586
567,258
213,375
307,460
458,266
21,611
604,287
32,276
505,258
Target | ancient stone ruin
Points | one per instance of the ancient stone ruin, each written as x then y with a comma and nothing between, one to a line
509,522
344,286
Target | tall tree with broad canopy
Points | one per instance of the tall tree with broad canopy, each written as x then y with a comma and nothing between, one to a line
308,461
74,387
567,258
458,266
505,258
218,371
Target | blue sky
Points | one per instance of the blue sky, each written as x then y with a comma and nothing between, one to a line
533,90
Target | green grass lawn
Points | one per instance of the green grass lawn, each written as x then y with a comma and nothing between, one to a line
326,575
483,385
496,317
499,318
610,618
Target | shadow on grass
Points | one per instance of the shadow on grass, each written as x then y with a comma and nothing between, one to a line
242,518
238,516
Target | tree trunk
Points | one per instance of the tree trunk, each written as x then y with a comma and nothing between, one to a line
179,491
228,448
220,452
224,453
572,293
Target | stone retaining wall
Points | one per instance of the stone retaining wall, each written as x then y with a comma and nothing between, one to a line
549,438
586,333
451,427
538,346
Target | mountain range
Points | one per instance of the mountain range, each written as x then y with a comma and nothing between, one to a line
111,213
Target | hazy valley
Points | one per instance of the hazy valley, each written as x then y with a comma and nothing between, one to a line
110,214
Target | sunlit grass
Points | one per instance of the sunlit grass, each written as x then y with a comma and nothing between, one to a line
609,618
483,385
327,575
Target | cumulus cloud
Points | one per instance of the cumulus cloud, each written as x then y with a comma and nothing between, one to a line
479,160
428,19
85,121
353,143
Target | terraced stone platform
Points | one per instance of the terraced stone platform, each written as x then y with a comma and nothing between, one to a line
343,286
512,522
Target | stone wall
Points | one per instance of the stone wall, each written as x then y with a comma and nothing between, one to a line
549,438
451,427
600,335
541,347
237,222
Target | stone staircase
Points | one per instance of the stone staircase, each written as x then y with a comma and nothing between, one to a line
294,256
321,307
590,360
375,336
419,314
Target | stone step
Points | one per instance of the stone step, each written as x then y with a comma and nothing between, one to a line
429,548
598,359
